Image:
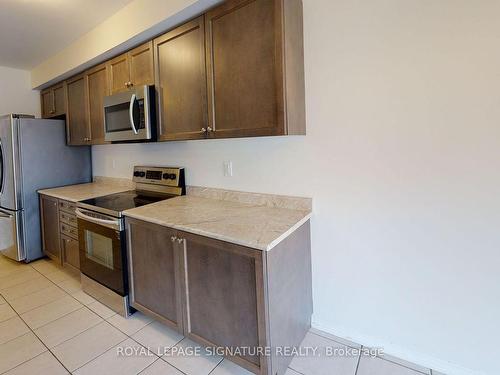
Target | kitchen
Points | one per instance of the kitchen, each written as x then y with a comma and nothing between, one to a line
205,187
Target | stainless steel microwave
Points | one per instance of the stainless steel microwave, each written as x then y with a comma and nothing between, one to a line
130,115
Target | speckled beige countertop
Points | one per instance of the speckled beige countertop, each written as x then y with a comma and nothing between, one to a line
257,226
101,186
259,221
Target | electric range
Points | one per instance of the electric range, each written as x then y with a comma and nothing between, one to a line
101,232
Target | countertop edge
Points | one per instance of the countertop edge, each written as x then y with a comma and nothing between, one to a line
289,231
222,237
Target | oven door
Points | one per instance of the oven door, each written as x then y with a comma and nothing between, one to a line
102,257
127,115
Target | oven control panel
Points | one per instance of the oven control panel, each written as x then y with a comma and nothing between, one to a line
166,176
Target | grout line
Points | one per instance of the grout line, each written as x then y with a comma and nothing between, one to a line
39,339
217,365
359,360
107,350
298,372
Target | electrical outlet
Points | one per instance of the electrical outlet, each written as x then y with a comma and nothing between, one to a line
228,168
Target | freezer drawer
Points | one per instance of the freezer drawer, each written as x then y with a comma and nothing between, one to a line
11,238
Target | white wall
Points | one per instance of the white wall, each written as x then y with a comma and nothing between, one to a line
138,21
16,95
402,158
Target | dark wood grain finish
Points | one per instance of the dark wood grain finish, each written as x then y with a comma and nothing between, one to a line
50,227
289,293
77,126
181,82
224,295
59,100
70,251
47,103
141,65
154,266
119,73
244,64
98,88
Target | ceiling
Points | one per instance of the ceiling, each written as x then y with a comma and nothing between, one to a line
33,30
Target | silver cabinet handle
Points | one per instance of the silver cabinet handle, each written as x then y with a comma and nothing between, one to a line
131,113
203,130
173,238
180,240
209,129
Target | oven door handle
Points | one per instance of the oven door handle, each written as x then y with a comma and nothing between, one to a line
114,223
131,113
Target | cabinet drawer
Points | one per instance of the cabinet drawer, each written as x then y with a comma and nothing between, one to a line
69,231
69,207
68,218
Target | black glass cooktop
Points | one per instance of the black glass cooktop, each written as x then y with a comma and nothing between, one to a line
126,200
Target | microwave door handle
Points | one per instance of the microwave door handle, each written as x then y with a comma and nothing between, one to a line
131,113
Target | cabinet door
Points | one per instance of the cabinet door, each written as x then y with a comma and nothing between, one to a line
244,60
76,118
224,295
141,65
47,103
154,266
119,73
59,100
181,82
97,81
50,227
70,251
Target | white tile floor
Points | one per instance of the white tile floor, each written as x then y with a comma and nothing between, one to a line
48,325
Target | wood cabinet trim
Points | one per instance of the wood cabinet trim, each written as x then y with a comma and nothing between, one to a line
46,199
259,262
111,63
176,325
95,139
148,48
85,123
197,23
279,127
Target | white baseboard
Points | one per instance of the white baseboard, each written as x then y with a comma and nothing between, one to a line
396,351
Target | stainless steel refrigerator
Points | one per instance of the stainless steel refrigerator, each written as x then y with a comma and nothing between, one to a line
33,156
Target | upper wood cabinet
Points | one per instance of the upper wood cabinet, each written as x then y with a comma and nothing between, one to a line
180,79
53,102
77,125
134,68
236,71
98,87
255,68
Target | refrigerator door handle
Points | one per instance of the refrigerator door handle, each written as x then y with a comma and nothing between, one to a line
1,168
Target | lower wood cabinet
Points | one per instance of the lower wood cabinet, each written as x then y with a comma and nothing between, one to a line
60,231
50,227
70,251
154,281
224,295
